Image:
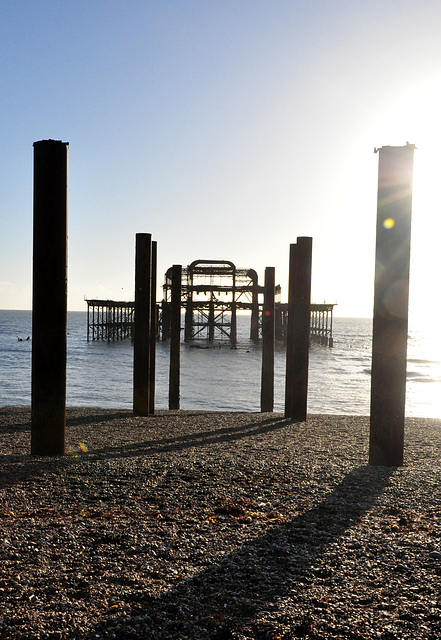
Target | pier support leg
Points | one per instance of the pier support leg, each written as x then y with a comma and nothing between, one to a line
268,330
389,343
153,328
254,331
165,324
49,299
297,346
188,332
211,321
141,343
175,338
233,331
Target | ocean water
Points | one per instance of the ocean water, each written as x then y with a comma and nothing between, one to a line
218,378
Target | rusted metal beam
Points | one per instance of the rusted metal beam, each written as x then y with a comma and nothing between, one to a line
49,298
391,296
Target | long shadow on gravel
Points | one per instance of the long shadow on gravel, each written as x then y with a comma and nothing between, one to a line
196,439
222,599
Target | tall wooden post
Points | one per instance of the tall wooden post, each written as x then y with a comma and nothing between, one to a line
290,332
211,320
297,346
153,328
175,338
391,296
141,342
268,330
49,298
254,332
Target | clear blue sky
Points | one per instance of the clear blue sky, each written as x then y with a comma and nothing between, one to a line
224,128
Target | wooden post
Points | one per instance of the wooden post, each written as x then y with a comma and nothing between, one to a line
233,330
49,299
165,322
290,333
175,338
211,320
390,324
153,328
254,332
268,330
297,346
141,342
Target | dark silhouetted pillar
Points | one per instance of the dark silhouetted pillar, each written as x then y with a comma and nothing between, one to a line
389,345
268,329
290,332
175,338
254,331
297,345
141,342
49,298
153,328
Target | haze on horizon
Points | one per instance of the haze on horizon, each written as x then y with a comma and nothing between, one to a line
226,129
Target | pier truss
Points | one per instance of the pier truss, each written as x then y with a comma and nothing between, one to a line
212,292
320,322
109,320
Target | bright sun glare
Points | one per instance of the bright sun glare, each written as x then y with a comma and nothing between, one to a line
416,118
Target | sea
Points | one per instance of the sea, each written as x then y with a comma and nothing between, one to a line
218,378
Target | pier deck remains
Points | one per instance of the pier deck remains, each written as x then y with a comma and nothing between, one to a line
212,293
109,320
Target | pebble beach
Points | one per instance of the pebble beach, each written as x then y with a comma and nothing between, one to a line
214,525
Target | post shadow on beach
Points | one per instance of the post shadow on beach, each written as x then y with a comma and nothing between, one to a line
196,439
228,594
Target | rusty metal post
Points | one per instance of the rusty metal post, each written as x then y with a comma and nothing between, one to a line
153,328
268,331
175,338
141,342
391,296
297,347
49,298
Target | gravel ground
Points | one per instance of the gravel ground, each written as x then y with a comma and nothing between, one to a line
218,526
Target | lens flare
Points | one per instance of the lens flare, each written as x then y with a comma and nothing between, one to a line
389,223
82,446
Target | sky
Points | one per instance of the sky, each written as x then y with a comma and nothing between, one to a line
226,129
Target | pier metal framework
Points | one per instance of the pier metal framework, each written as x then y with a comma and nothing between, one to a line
321,317
212,293
109,320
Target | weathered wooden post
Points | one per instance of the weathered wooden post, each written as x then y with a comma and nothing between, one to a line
290,332
268,331
254,331
141,342
390,324
297,344
175,338
153,327
211,320
49,298
165,320
233,331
